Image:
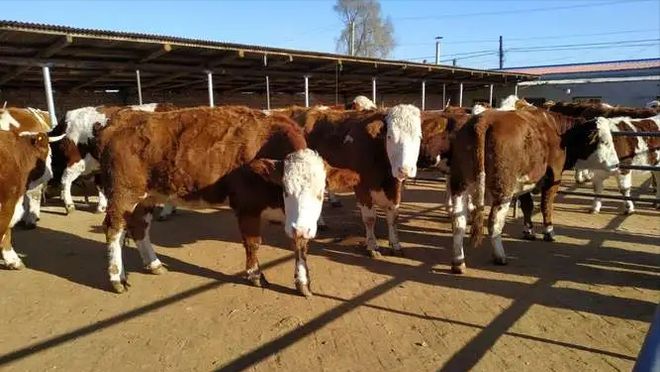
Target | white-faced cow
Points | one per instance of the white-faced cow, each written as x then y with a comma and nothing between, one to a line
23,158
209,156
510,153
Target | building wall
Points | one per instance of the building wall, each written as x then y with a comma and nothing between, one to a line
629,93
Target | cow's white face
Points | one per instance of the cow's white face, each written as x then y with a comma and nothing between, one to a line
303,181
604,156
404,134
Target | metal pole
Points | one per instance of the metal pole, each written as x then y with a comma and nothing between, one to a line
444,91
139,86
351,47
306,91
267,93
437,49
209,76
49,96
460,95
515,90
490,96
373,89
423,95
501,54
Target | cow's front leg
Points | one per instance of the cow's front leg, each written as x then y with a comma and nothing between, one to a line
369,220
527,207
301,275
625,184
496,221
114,237
459,225
392,213
547,205
250,226
12,261
32,206
71,173
140,227
598,183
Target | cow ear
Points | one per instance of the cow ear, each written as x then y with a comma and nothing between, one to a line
374,128
268,169
340,179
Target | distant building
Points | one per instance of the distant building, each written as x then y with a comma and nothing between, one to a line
628,83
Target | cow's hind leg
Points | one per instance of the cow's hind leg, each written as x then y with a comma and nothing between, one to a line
250,226
117,220
32,206
527,207
10,213
139,227
459,225
369,220
496,221
547,205
625,184
598,183
71,173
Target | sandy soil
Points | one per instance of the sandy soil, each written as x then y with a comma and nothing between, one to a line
581,303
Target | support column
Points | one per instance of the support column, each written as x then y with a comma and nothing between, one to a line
373,89
139,86
460,95
423,95
267,93
49,96
306,91
490,96
515,90
444,96
209,76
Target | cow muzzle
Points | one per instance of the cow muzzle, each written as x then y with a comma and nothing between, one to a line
404,172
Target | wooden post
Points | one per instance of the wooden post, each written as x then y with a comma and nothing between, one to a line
49,96
139,86
306,91
423,95
490,96
460,95
373,89
209,76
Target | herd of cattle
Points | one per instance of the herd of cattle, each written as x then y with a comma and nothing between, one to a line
278,164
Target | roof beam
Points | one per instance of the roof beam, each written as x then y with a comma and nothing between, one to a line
165,48
48,52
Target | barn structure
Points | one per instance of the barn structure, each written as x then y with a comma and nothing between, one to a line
79,67
627,83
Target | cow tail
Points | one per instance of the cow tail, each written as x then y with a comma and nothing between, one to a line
476,234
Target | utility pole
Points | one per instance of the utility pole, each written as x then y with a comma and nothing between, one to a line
351,47
437,49
501,54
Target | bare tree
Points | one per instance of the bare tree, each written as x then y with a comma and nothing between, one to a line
373,36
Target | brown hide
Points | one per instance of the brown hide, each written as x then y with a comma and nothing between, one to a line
29,123
437,130
590,111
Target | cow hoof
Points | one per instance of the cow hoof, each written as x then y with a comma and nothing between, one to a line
69,208
529,235
118,287
336,204
29,226
549,237
628,212
100,210
158,270
304,290
374,253
594,211
499,260
259,280
18,265
458,268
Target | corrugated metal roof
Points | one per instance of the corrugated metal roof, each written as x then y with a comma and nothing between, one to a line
588,67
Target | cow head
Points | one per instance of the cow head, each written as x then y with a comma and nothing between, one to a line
403,139
42,171
595,147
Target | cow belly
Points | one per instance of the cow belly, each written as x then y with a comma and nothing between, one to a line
380,199
159,198
524,185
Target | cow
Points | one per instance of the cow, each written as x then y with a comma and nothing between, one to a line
510,153
23,158
594,110
630,151
78,147
258,163
29,120
382,146
362,103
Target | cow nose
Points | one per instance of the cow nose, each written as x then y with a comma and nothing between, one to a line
302,232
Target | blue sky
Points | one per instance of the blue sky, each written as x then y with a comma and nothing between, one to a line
615,29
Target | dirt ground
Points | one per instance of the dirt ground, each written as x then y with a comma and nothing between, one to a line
581,303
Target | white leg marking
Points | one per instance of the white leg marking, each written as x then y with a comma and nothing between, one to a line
625,183
18,212
11,258
500,212
32,205
369,219
548,229
115,262
103,202
71,173
459,224
301,274
149,258
598,189
166,211
392,214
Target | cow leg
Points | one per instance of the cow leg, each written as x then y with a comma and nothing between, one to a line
598,183
496,221
250,227
392,215
139,227
547,205
301,275
8,217
448,199
71,173
117,220
369,220
527,207
625,183
32,207
459,225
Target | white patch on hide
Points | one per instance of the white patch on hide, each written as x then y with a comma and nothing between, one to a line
7,121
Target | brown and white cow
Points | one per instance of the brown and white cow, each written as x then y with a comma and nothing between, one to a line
501,154
30,120
257,163
79,148
382,146
23,158
630,151
594,110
